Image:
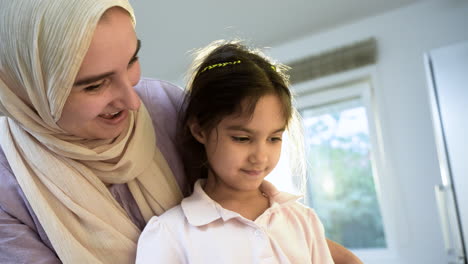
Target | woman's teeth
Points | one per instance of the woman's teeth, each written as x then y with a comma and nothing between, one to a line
110,115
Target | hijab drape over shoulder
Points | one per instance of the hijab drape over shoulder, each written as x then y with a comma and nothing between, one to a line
42,45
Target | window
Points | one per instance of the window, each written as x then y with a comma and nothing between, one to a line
343,155
340,184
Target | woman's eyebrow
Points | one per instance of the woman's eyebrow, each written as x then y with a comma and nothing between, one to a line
138,47
92,79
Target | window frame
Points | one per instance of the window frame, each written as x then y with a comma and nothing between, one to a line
353,84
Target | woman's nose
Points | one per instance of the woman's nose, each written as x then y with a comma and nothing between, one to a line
128,97
133,100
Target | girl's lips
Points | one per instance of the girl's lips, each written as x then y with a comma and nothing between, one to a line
253,172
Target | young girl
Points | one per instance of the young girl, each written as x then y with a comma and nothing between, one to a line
237,108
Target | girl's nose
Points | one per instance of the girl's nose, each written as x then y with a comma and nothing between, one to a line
259,154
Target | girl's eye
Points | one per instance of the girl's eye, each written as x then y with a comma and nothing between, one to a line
240,139
275,139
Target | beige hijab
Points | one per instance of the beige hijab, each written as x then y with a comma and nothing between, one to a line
42,44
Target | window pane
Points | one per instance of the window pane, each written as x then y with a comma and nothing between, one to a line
340,185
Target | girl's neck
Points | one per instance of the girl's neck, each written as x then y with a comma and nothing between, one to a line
249,204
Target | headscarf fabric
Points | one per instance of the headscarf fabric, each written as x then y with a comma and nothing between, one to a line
66,178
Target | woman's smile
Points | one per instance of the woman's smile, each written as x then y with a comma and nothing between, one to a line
110,115
114,118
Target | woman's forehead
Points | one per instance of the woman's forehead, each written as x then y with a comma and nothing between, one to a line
113,45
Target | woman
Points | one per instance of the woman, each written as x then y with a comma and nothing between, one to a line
75,127
84,164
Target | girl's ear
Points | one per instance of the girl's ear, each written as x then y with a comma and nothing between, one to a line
197,132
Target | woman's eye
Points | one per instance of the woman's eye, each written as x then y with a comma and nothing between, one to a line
240,139
133,60
92,88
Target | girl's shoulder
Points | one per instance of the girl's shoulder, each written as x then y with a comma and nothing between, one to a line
171,222
162,239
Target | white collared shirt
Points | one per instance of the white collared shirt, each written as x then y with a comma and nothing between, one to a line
199,230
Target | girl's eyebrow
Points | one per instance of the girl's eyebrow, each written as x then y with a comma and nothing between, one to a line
244,129
239,128
92,79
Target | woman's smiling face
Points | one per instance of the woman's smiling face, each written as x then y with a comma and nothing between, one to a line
102,95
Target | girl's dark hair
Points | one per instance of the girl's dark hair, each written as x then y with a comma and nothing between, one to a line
227,78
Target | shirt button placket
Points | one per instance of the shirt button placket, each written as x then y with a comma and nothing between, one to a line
258,233
266,256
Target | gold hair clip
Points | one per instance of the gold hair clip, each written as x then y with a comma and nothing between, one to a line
221,64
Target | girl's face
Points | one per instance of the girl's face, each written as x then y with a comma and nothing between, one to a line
102,95
242,150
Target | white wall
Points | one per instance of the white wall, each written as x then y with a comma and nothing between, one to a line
403,36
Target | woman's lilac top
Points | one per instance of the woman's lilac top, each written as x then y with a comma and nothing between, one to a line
22,238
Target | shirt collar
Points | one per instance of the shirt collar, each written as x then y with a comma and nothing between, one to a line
275,196
200,209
